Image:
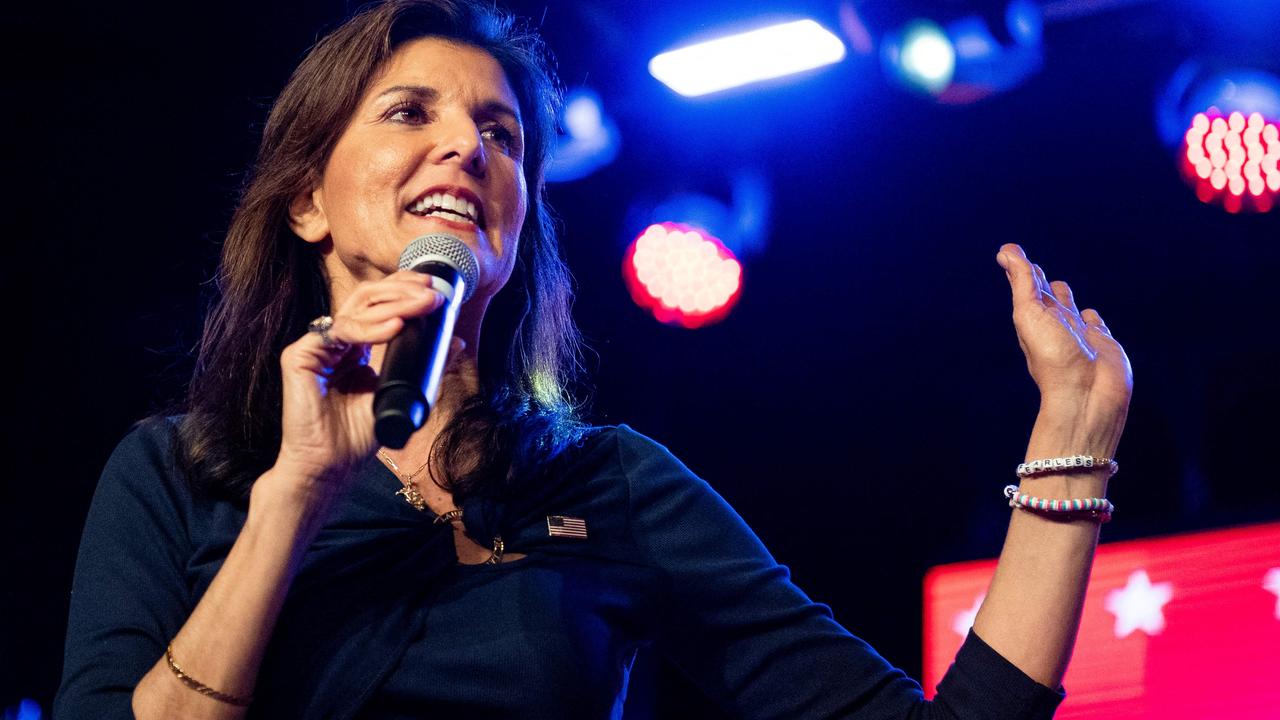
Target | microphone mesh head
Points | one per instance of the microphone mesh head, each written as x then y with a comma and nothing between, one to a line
447,249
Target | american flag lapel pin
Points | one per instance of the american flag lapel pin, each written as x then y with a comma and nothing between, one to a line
562,526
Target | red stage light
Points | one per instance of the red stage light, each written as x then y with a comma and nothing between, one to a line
1232,160
682,275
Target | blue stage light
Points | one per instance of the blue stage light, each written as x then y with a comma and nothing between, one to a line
590,141
28,709
1198,85
748,57
926,58
583,117
965,61
740,221
1025,22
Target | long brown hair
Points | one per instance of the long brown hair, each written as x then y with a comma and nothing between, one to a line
271,283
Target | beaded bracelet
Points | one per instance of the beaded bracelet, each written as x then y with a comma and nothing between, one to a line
1066,464
1099,509
200,687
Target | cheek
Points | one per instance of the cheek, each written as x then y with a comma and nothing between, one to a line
358,178
520,207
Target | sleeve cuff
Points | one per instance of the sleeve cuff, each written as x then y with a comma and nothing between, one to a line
983,678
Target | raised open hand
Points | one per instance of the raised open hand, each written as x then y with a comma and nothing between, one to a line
1083,374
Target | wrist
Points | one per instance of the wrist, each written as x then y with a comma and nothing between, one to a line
290,501
1065,428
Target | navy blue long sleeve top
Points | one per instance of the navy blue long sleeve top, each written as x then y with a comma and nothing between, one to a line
383,622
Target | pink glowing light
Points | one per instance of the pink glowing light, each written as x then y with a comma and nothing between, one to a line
682,275
1231,160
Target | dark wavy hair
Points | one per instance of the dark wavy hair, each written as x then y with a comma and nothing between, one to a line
271,284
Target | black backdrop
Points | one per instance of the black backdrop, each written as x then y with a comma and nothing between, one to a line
863,405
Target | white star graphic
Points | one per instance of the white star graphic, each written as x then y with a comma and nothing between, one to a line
1139,605
1271,583
964,619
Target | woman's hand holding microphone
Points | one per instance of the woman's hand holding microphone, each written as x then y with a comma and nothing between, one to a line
327,415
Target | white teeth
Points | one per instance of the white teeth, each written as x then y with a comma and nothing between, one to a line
446,206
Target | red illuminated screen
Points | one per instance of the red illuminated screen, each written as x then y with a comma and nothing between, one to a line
1174,628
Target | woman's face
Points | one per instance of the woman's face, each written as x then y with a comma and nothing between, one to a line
436,145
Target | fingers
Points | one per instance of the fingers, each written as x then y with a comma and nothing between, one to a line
1042,282
375,311
1029,281
372,314
1094,321
309,353
393,287
408,307
1062,291
1021,274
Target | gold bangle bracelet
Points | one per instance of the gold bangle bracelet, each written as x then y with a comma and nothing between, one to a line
200,687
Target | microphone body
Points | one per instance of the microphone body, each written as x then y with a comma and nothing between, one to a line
409,380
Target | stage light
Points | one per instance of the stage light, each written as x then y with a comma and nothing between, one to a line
1224,125
682,275
590,139
740,221
1197,85
747,57
964,60
28,709
1232,160
925,56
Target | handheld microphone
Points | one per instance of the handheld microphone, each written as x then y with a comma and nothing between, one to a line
409,380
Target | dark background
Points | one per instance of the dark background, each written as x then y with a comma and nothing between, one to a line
865,402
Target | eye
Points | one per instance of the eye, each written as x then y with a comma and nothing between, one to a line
504,136
410,112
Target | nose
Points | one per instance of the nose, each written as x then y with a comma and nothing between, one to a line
459,141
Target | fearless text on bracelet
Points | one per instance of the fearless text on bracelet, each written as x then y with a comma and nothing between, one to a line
1067,464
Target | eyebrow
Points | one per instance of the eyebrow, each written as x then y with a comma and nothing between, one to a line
430,94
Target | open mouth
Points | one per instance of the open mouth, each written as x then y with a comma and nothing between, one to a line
455,204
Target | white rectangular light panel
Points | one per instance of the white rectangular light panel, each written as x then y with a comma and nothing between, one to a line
748,57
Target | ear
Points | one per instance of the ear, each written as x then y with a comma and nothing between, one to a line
307,218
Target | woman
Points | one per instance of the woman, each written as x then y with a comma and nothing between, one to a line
261,555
